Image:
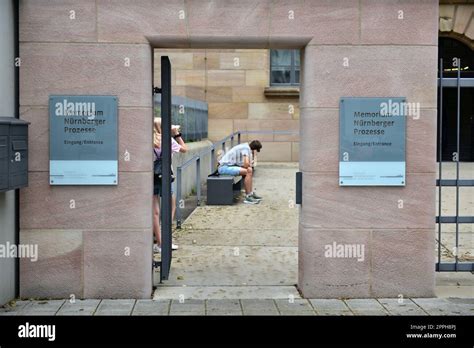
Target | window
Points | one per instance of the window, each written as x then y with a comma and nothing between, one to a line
284,67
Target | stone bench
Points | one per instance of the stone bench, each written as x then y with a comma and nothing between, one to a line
221,189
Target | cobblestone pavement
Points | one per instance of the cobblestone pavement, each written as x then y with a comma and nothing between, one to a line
215,307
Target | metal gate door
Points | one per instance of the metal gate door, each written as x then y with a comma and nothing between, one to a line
450,256
166,252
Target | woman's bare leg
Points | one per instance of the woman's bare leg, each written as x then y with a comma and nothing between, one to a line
156,219
173,207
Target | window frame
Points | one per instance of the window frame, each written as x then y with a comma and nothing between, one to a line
293,68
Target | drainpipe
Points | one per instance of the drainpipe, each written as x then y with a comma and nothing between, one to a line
16,15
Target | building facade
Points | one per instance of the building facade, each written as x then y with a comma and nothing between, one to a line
238,86
365,48
9,199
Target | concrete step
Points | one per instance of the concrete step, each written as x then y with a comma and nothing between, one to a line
225,292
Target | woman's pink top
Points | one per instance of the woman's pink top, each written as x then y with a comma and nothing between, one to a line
175,147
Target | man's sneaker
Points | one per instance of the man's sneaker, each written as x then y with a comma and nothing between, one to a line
250,200
157,249
257,197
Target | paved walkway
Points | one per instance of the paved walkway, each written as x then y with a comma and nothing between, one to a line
425,306
240,251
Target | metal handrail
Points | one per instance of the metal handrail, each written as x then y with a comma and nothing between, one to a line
210,151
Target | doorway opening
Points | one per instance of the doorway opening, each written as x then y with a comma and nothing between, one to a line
238,250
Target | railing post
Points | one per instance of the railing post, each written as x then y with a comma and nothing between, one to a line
178,197
458,155
196,121
199,114
232,141
213,160
198,180
186,132
238,138
440,157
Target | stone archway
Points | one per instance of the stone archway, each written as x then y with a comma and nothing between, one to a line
457,22
451,49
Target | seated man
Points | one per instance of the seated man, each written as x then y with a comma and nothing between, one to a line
237,161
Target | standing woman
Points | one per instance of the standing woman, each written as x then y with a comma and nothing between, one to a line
177,145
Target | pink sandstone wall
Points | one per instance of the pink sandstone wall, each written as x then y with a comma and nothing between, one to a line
82,249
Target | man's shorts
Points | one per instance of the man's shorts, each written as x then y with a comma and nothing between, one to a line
229,170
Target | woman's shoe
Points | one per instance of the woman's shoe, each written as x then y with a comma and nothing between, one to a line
157,249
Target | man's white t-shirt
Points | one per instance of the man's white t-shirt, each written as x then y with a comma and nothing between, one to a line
235,156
